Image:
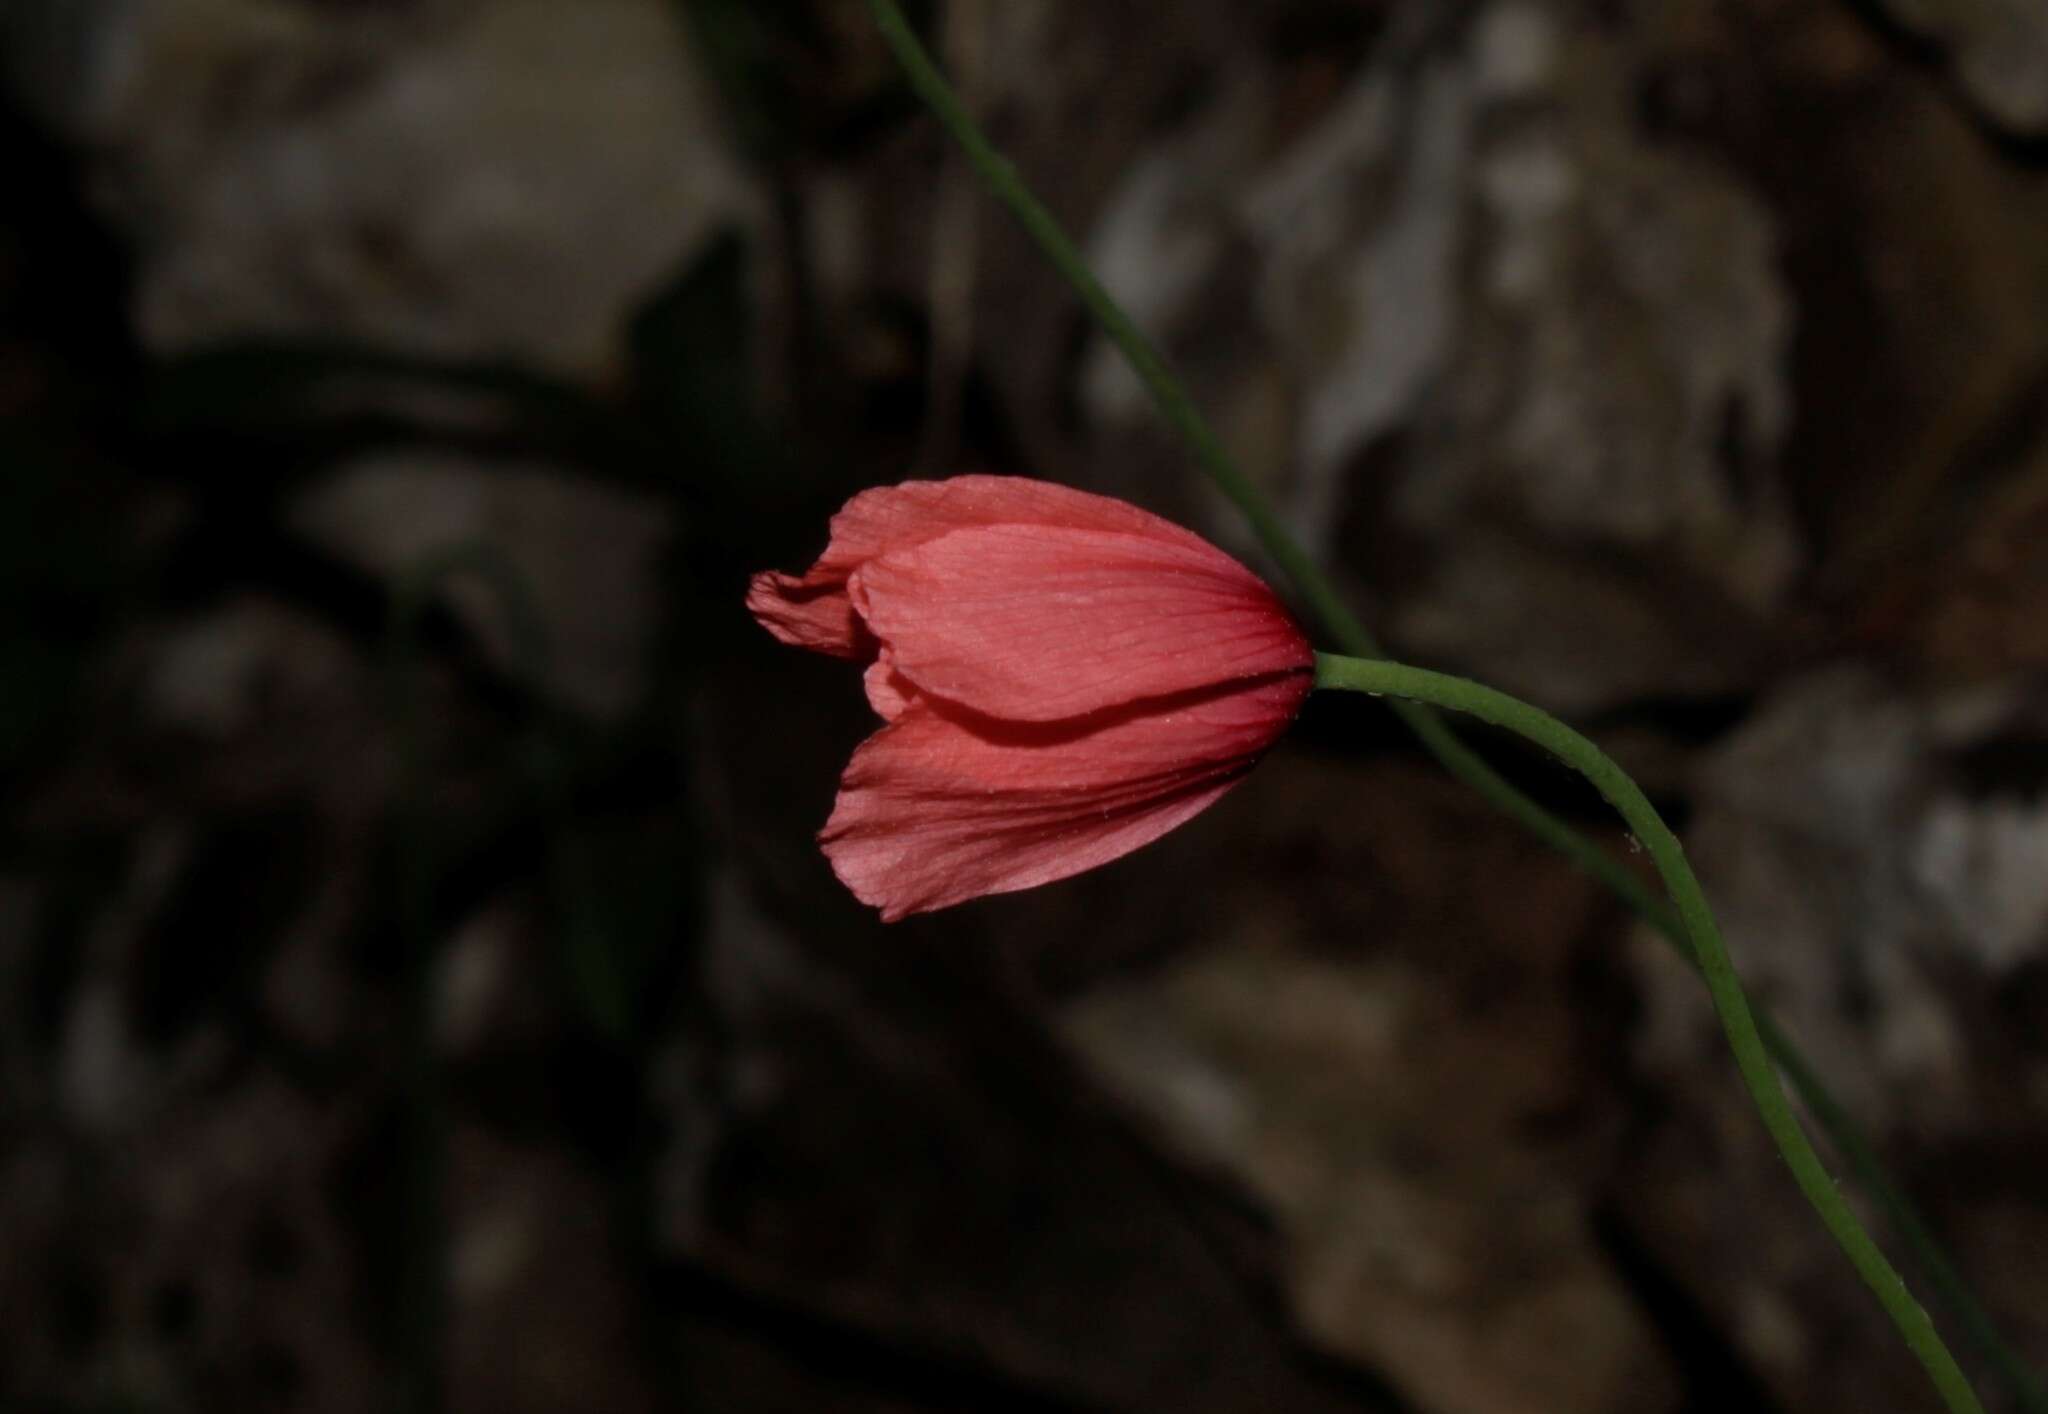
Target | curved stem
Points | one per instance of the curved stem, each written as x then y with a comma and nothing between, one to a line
2028,1393
1344,628
1614,784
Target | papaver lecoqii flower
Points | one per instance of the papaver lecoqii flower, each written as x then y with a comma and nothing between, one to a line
1065,678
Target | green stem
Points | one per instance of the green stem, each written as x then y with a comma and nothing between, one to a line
1420,685
1345,629
2028,1393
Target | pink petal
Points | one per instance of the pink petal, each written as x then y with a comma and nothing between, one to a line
889,692
935,809
896,517
811,610
1040,623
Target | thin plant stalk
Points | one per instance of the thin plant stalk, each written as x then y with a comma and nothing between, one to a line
1382,678
1344,628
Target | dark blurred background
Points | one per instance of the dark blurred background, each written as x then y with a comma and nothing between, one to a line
419,988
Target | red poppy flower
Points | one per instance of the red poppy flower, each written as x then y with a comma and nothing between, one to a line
1065,678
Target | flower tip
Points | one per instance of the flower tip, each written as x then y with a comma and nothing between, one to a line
764,595
860,879
810,611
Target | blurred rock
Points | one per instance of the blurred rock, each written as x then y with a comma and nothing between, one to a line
216,676
1574,631
1360,212
1875,873
485,980
1548,353
1404,1103
1616,401
584,555
475,178
531,1257
983,1208
1970,599
1998,50
217,1276
103,1083
1426,1243
51,60
1921,344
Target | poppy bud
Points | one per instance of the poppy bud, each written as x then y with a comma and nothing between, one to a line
1064,676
